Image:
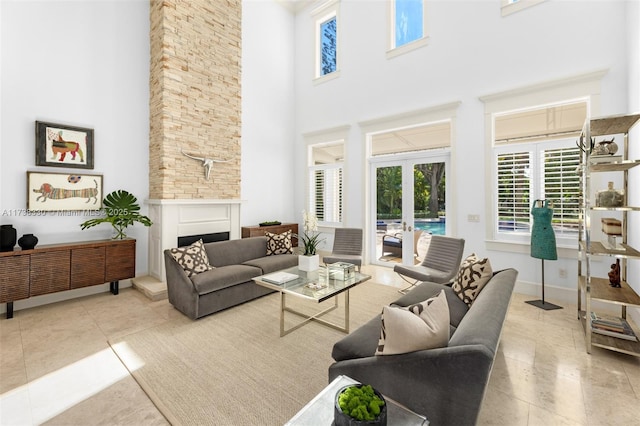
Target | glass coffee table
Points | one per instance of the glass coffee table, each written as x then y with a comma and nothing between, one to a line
316,286
319,411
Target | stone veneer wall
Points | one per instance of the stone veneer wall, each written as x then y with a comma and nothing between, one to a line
194,98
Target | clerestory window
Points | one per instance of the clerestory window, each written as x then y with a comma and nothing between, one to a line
407,26
327,44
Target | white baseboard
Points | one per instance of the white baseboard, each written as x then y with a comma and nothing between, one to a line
46,299
569,297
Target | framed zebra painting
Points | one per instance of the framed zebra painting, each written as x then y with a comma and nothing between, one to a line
50,192
59,145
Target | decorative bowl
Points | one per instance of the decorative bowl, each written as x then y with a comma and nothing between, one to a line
343,419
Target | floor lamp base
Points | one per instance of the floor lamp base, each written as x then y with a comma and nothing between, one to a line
543,305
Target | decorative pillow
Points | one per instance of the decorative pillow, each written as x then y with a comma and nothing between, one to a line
193,258
472,276
279,243
424,325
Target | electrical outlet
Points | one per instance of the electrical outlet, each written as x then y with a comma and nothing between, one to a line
473,218
562,272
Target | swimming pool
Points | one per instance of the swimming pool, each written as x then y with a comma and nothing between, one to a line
433,227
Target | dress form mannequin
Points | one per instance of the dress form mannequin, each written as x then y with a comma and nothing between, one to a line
543,243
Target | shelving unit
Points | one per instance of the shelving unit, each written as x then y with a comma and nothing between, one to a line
596,288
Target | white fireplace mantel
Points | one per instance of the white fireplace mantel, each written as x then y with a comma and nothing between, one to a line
173,218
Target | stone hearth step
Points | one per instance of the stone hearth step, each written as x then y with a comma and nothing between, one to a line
151,287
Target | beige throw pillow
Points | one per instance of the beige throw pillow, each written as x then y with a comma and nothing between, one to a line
279,243
473,275
193,258
424,325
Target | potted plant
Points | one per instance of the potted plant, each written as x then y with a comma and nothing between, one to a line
121,210
360,405
309,260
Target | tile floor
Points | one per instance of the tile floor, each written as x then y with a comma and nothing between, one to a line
57,368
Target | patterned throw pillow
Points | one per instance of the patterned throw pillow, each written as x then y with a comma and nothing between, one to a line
424,325
279,243
193,258
472,276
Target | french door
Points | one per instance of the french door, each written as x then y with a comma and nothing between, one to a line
408,204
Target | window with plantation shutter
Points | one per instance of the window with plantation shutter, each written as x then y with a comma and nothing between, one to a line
561,183
325,182
514,189
526,172
327,193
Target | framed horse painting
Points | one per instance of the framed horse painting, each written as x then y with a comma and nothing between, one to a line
59,145
51,192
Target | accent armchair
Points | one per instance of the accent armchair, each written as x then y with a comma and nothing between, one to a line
440,264
347,247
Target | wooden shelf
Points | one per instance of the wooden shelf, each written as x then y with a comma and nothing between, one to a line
598,249
616,166
612,343
613,124
616,209
602,291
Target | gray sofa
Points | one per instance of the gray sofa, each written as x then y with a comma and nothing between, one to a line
230,283
446,385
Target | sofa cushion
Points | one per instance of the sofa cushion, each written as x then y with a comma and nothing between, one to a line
426,290
279,243
223,277
473,275
193,258
417,327
270,264
234,252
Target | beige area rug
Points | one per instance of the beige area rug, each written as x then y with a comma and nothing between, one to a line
232,368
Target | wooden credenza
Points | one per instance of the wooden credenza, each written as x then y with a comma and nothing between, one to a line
59,267
257,231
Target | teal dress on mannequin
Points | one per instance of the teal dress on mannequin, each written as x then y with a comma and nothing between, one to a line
543,239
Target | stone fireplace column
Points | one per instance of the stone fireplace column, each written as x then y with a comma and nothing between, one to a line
195,101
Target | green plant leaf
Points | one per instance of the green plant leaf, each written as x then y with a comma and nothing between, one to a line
121,210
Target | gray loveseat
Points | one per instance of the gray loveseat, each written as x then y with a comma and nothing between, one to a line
447,384
230,283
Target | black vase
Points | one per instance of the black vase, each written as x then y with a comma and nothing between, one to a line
28,241
7,237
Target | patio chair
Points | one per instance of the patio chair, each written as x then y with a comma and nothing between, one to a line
392,243
440,264
347,247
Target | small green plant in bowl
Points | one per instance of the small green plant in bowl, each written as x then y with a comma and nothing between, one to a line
360,405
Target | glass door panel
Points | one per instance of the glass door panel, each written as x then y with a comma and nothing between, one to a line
388,208
409,206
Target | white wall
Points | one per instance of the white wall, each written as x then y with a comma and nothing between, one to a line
267,188
83,64
472,52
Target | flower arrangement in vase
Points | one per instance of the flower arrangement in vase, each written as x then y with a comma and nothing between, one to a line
309,260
